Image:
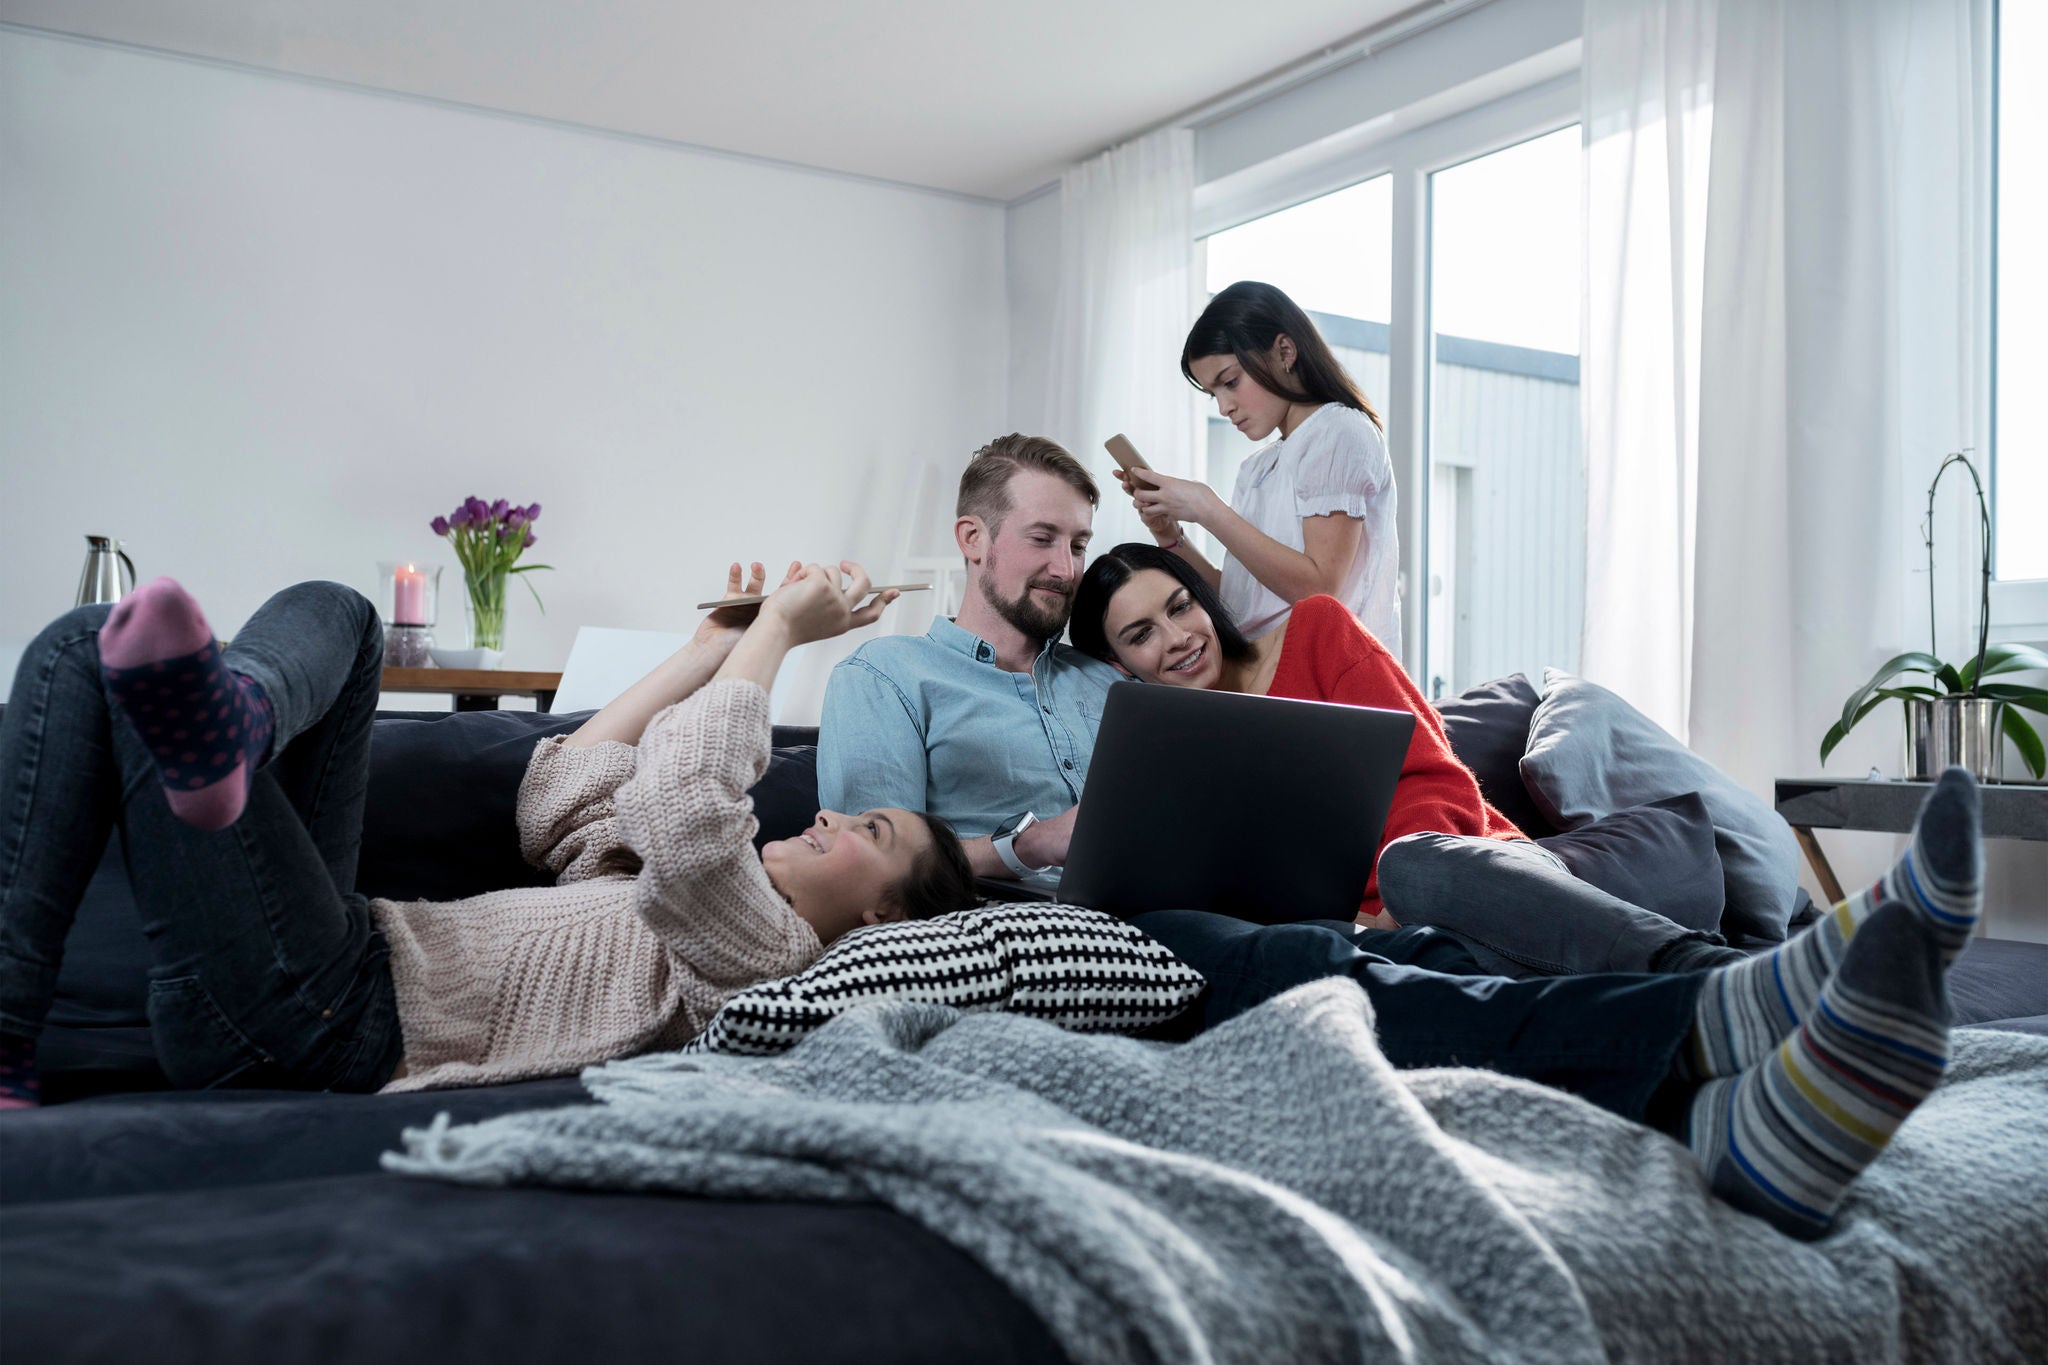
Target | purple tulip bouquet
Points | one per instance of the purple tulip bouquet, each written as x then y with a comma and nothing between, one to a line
488,538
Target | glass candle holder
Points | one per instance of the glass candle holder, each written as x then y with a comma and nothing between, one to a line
409,597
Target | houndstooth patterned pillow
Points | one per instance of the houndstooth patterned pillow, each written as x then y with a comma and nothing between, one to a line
1081,969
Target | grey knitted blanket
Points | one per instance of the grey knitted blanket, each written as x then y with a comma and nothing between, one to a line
1274,1191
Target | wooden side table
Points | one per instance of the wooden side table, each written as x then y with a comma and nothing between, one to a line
475,689
2010,810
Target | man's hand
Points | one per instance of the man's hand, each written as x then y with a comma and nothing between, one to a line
815,605
1045,843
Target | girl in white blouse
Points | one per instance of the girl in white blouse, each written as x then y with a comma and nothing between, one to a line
1313,512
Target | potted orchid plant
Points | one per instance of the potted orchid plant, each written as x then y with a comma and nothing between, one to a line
1956,714
488,539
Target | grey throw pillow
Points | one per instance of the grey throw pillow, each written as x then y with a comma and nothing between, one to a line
1488,727
1660,856
1591,754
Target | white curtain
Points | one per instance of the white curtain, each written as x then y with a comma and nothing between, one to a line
1788,239
1125,301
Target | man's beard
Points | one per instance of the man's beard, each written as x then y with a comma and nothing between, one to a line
1025,614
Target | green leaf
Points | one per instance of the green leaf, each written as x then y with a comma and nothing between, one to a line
2026,741
1950,679
1839,731
1834,736
2012,694
2006,659
1914,661
529,568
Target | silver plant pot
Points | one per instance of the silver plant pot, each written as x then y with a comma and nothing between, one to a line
1965,732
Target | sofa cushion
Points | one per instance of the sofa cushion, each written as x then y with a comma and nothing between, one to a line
1999,979
1660,856
409,1272
1081,969
438,824
1488,727
1590,754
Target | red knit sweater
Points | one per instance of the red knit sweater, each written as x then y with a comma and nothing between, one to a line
1328,656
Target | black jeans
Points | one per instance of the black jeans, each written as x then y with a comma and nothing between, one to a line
266,969
1609,1038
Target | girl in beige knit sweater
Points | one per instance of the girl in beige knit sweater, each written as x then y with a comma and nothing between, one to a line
237,777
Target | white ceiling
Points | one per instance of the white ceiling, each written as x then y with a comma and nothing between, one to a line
981,97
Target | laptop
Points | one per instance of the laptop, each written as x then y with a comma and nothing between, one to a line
1260,808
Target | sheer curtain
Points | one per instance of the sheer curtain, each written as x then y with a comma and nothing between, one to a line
1788,240
1125,301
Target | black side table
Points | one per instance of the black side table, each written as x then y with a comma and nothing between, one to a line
2011,810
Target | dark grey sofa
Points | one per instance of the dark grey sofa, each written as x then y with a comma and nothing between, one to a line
143,1223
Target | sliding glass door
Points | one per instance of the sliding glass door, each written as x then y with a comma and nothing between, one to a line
1506,486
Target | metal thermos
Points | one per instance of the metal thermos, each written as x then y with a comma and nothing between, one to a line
108,572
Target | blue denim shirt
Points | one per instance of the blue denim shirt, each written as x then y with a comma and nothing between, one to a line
932,723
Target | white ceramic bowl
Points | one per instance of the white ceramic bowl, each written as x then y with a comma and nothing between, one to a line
466,658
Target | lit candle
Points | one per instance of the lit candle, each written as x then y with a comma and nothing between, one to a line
408,597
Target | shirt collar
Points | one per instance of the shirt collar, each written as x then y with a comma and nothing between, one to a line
959,639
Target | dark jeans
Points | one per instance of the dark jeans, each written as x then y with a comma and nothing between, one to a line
266,969
1522,912
1609,1038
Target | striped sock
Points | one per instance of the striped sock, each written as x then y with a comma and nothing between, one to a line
1747,1007
207,726
1787,1138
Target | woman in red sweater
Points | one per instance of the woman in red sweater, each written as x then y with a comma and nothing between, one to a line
1448,859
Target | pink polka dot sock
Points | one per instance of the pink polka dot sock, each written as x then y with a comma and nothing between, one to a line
207,726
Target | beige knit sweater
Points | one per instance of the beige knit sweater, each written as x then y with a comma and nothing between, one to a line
543,981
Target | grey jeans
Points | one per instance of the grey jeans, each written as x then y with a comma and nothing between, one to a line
1523,914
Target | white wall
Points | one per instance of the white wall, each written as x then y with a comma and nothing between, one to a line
264,330
1031,237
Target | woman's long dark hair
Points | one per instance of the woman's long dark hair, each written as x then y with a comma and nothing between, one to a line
1113,569
1245,321
939,882
942,880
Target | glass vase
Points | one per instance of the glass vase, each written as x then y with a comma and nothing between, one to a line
487,610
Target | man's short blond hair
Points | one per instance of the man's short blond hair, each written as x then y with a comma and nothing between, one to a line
985,485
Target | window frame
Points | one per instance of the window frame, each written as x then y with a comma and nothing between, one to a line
2019,606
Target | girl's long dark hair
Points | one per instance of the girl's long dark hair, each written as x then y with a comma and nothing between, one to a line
1245,320
1113,569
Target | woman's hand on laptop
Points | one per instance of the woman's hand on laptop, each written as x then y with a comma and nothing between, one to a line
1045,843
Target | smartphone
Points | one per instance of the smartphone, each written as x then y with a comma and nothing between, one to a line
752,599
1124,453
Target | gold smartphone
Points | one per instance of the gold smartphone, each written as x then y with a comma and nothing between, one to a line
753,598
1124,453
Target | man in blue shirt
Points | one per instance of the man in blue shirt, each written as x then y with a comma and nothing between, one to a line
987,717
